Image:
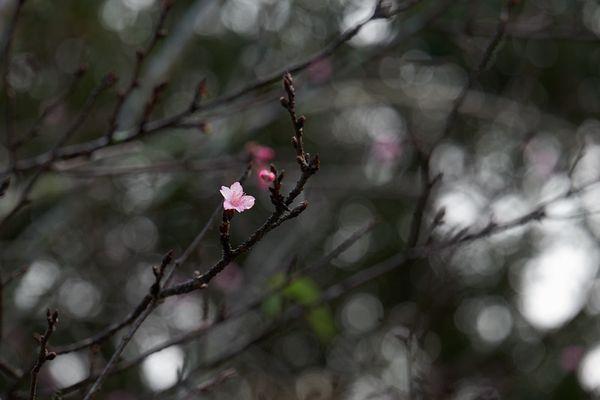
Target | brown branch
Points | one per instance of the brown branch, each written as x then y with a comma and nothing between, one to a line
154,293
205,328
165,167
224,230
145,302
424,158
331,293
24,200
202,389
483,64
9,370
278,216
106,333
216,380
229,353
3,283
44,354
4,185
50,107
339,249
428,183
361,277
8,93
295,312
524,30
106,82
86,149
335,291
368,274
308,167
140,57
275,196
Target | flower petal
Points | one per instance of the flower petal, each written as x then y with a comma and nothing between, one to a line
247,202
225,192
237,189
228,206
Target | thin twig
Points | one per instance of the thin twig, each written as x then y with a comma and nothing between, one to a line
214,381
196,242
483,64
308,166
154,292
44,354
355,280
222,163
525,30
88,148
428,183
145,302
106,333
140,56
50,107
9,370
205,328
8,94
424,157
24,200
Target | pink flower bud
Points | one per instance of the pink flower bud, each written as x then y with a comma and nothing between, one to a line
266,176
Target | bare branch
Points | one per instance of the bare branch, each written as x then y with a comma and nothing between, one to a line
308,167
44,354
9,370
205,328
154,292
483,64
50,107
24,200
7,41
141,55
86,149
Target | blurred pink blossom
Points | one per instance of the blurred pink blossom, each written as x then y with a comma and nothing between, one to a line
235,198
230,279
542,154
570,358
386,148
320,71
260,154
266,175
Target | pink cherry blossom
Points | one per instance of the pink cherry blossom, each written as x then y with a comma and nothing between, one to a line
266,175
235,198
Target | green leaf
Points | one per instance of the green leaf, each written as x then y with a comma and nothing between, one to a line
321,321
304,291
277,281
273,305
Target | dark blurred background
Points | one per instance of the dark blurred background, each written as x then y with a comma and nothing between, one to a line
511,315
